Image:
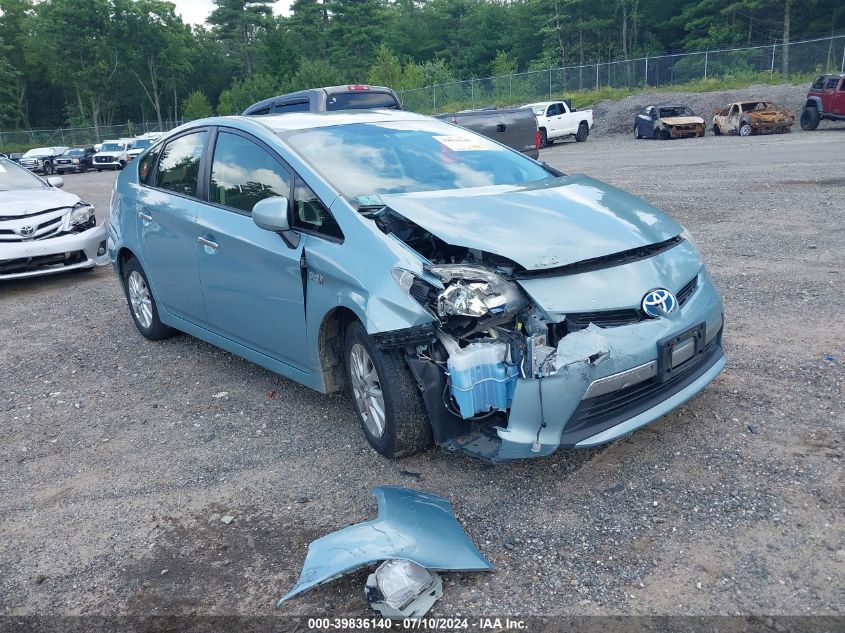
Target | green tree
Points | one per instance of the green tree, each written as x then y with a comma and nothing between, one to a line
88,73
16,23
196,107
9,113
355,32
309,23
387,70
157,55
313,73
238,23
243,93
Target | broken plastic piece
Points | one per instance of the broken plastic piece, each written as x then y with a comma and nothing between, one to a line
411,525
402,589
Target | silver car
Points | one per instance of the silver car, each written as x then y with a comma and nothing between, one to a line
43,229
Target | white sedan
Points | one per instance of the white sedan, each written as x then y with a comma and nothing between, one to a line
44,230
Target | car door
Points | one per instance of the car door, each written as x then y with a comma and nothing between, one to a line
839,100
167,206
252,280
553,117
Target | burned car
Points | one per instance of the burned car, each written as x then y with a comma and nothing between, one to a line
45,230
668,121
461,292
752,117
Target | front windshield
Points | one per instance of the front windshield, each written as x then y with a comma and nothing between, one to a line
670,112
364,160
142,143
112,147
75,152
15,178
38,151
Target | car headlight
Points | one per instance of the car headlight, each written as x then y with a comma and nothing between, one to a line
82,213
473,291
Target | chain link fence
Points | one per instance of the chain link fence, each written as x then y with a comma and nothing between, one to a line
652,71
19,140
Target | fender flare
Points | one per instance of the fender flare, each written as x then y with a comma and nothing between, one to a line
814,102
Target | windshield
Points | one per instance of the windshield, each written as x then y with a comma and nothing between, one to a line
112,147
670,112
75,152
14,178
358,100
141,143
364,160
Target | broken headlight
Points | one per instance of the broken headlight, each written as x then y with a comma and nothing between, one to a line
472,291
82,213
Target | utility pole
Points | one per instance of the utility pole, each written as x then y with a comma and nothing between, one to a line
705,61
772,70
646,70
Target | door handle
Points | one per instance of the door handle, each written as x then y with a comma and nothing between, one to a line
145,217
212,245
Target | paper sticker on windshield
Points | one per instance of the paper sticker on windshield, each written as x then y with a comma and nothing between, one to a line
464,143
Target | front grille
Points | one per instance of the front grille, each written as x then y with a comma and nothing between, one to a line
576,321
63,162
43,230
602,412
28,264
104,159
686,292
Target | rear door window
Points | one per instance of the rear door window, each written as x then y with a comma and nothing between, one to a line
243,173
361,99
179,167
818,84
831,83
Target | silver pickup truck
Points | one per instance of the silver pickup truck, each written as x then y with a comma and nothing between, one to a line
514,127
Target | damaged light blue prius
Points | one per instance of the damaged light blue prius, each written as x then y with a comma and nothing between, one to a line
461,291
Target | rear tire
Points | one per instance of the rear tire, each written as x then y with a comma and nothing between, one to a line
745,129
142,304
583,132
810,119
387,400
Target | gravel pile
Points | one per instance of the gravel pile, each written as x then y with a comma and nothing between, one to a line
617,117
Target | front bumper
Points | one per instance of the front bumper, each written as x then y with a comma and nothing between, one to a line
590,402
685,131
54,255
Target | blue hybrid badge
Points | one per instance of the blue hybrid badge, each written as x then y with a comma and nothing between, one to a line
659,303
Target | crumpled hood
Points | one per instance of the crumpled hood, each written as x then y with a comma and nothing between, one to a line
560,222
682,120
18,203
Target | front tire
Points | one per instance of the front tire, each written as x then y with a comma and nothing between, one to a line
387,400
48,169
142,304
810,119
745,129
583,132
637,134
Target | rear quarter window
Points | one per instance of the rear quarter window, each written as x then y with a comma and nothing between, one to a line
358,100
818,84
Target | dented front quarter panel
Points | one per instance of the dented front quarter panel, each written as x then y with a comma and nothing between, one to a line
410,525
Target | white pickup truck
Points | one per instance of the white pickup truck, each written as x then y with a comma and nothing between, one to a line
556,120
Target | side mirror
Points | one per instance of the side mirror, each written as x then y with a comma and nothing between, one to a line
271,214
56,181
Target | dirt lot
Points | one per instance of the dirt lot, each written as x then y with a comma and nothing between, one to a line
120,455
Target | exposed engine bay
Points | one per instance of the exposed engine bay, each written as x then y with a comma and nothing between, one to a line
488,332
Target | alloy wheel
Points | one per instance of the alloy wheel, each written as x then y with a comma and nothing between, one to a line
139,299
367,389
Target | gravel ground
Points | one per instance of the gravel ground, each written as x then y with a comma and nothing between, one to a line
120,455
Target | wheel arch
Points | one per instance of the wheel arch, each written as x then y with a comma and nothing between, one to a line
814,102
330,341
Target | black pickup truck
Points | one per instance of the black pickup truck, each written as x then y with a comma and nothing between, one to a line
514,127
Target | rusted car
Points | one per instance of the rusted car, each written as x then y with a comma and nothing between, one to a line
752,117
668,121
